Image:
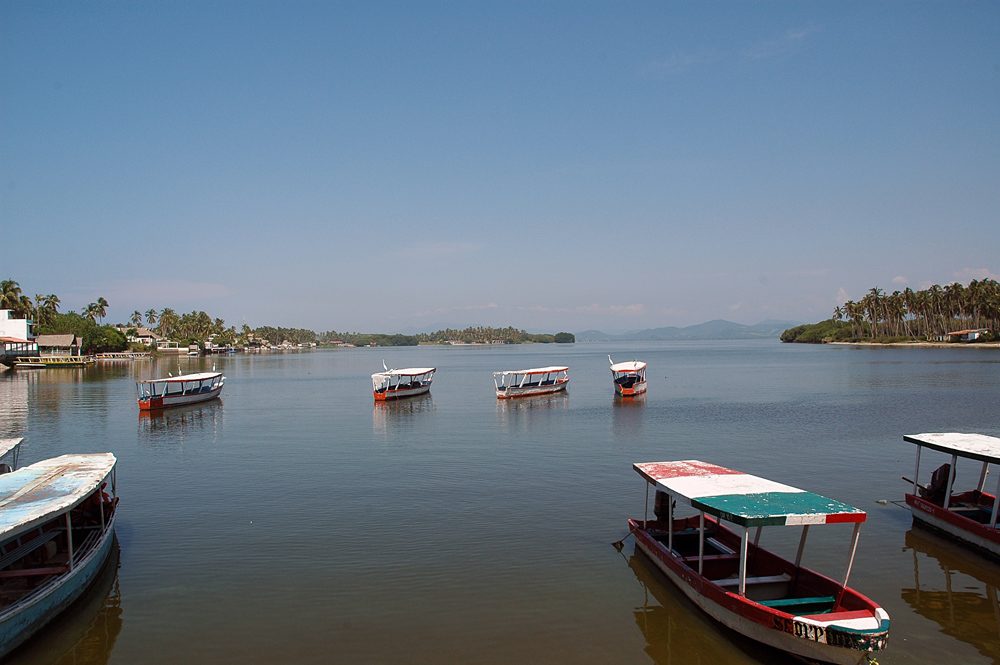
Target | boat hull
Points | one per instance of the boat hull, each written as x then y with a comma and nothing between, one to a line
806,638
156,403
637,389
400,394
23,619
527,391
978,537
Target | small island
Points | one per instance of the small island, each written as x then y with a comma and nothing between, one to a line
937,315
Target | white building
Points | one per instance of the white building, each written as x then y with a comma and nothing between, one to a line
11,327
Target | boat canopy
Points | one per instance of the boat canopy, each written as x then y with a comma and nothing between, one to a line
630,366
972,446
537,370
408,371
7,445
744,499
35,494
185,378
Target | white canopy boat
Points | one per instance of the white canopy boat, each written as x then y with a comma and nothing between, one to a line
524,382
179,390
970,517
745,587
629,377
57,526
397,383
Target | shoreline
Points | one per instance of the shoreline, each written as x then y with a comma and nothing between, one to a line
949,345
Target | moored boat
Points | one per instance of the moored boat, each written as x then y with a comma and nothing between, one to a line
56,531
525,382
744,586
970,516
179,390
397,383
42,362
629,377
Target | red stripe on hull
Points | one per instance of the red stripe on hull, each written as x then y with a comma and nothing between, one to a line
961,524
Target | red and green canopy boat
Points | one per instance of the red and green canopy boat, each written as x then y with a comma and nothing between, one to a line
735,580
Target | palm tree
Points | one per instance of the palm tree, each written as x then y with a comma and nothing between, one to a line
102,308
136,318
10,295
39,303
151,315
91,312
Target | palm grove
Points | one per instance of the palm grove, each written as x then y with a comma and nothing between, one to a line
196,326
908,314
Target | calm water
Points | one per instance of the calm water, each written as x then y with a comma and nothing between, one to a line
296,522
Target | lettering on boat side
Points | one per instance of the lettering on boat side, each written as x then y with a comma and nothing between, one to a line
809,631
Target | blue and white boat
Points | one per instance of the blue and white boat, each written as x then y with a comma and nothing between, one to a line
57,526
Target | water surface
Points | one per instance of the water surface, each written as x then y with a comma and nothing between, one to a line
295,521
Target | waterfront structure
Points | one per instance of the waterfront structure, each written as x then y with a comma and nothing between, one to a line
969,517
56,531
525,382
59,345
155,394
629,377
744,586
16,328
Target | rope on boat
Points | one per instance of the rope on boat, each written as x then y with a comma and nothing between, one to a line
619,544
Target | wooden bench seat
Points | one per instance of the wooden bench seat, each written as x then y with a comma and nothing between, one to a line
27,548
799,606
765,579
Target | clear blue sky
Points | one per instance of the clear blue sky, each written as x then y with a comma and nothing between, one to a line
552,166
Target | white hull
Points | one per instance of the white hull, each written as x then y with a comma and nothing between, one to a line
178,400
514,391
755,631
986,546
398,394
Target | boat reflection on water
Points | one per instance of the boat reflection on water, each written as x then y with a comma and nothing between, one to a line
628,414
529,403
677,632
86,632
959,593
180,419
400,411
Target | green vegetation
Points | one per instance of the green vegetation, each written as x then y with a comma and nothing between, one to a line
197,326
95,338
909,315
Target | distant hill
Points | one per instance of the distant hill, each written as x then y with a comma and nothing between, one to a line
715,330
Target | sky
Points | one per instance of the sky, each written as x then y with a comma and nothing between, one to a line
383,166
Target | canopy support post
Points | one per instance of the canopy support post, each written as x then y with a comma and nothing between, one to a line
951,480
743,560
670,524
916,472
996,505
982,477
850,563
69,539
701,544
756,536
645,514
802,545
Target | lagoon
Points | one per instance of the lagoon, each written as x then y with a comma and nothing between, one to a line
297,521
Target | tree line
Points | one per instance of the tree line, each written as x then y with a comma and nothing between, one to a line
908,314
196,326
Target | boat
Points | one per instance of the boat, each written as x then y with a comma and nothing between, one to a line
537,381
970,516
57,527
745,587
42,362
630,377
9,450
179,390
397,383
